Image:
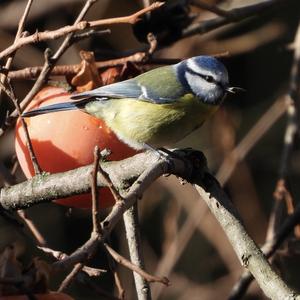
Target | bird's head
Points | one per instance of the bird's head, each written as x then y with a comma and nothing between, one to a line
206,77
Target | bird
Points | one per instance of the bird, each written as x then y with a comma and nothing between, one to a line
157,108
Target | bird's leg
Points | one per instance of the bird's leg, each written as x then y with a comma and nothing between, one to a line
194,157
169,152
162,153
167,155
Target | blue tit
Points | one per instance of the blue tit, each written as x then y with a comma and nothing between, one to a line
158,108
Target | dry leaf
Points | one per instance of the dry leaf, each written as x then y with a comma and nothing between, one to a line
87,77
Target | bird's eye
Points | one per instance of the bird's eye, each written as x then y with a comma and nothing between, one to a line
209,78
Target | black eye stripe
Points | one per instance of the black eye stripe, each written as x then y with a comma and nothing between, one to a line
189,70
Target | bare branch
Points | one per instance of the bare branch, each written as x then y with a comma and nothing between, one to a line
234,15
68,280
269,249
17,37
50,61
11,95
248,253
217,201
113,269
95,202
59,255
77,26
276,233
132,229
110,185
32,227
126,263
88,34
64,70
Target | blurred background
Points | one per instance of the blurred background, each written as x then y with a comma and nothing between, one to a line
180,238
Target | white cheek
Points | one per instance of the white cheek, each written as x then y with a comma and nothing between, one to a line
198,85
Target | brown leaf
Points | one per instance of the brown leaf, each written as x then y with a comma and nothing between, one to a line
111,75
119,73
87,77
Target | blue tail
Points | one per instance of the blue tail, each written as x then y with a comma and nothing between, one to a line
53,108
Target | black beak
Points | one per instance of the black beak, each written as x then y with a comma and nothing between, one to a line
234,90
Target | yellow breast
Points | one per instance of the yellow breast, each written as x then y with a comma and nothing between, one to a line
139,122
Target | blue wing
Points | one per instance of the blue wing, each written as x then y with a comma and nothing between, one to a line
156,86
124,89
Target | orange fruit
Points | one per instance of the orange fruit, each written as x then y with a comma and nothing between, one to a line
65,140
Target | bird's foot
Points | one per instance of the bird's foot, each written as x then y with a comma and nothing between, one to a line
195,160
162,153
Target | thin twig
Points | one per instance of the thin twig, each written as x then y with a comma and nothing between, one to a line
234,15
11,95
89,33
82,254
94,189
121,290
18,35
113,269
132,230
68,280
59,255
64,70
32,227
77,26
110,185
126,263
50,61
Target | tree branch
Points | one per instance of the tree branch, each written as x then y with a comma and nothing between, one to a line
38,37
247,251
276,233
269,249
50,60
234,15
142,170
126,263
132,230
17,37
